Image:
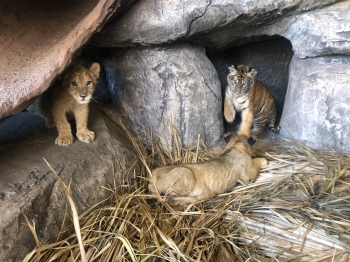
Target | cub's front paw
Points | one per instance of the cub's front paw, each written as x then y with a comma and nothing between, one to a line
260,162
64,140
86,136
50,124
265,162
229,115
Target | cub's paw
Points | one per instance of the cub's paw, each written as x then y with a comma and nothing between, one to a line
260,162
229,115
264,162
64,140
50,124
229,111
86,136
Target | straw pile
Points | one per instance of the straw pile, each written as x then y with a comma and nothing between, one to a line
298,210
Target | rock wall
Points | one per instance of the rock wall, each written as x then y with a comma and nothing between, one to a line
315,29
317,100
214,24
321,32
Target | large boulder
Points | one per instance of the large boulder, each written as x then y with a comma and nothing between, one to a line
174,85
317,106
28,187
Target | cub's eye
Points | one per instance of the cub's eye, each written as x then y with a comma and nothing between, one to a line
244,81
74,84
88,83
233,79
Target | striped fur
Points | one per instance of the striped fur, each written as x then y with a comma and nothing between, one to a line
252,99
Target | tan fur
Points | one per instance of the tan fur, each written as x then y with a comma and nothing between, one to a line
192,182
250,97
69,97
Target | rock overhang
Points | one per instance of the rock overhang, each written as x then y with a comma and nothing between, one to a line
38,40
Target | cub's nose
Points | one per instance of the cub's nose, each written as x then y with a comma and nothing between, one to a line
82,96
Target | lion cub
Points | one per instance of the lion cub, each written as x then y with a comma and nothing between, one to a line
192,182
69,97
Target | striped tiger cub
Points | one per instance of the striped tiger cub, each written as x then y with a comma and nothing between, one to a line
250,97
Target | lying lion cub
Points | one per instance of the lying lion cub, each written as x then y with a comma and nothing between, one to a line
192,182
71,97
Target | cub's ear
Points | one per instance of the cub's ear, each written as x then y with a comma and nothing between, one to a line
232,69
95,69
251,141
253,72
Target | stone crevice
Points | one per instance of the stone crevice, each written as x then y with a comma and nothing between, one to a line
198,17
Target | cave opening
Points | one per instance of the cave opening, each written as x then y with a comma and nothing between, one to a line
271,59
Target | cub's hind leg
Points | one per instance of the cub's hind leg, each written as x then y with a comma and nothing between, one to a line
258,127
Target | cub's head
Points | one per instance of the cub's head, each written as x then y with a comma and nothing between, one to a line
239,142
241,79
80,82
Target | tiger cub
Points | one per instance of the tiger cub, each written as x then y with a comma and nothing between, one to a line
250,97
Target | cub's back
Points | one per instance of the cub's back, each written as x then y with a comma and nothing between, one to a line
261,100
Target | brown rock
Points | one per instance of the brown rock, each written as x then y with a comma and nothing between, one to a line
38,40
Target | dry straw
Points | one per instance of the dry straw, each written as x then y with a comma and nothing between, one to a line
298,210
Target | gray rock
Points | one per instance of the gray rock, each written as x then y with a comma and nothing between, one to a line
28,187
174,84
321,32
317,106
214,24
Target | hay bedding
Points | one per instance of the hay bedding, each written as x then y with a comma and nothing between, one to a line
297,210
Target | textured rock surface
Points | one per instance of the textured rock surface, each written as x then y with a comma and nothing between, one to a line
28,187
173,84
215,24
317,107
321,32
38,40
